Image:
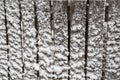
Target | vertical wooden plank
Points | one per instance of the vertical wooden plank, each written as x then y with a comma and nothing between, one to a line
29,40
113,41
105,38
45,45
14,43
77,41
60,42
37,39
21,36
3,46
95,41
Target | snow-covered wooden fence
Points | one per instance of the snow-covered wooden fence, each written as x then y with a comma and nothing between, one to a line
59,40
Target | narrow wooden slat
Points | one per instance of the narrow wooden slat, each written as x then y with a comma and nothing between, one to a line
15,64
77,41
29,40
45,50
60,42
95,41
37,39
113,41
3,46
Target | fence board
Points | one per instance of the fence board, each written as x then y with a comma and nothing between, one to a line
45,40
3,46
113,41
29,39
14,43
60,42
95,41
78,41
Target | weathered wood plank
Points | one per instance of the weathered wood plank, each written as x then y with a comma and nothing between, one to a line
14,43
113,41
29,40
3,45
45,45
95,41
77,41
60,42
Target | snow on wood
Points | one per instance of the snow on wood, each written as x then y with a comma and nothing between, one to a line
55,40
60,41
113,42
96,19
3,46
77,41
45,45
15,64
29,39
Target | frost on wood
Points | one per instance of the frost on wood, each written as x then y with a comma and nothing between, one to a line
3,47
45,45
29,39
12,12
113,42
77,42
60,42
44,53
95,41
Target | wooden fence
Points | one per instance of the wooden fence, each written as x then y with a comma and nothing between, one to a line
44,40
